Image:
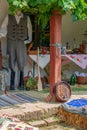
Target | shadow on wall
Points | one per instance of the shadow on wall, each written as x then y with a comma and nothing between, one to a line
69,69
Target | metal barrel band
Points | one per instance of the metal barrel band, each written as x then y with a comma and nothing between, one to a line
59,45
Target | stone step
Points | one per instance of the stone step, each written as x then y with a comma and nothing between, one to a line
58,127
45,122
51,123
31,111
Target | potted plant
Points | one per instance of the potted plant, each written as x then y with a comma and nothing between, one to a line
30,84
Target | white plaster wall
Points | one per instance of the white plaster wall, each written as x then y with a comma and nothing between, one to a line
3,9
3,12
73,30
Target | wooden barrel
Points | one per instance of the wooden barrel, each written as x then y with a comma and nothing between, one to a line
62,91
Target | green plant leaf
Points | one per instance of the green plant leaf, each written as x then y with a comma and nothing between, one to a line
31,82
44,8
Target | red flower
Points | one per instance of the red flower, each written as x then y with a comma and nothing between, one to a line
78,59
17,129
27,128
72,56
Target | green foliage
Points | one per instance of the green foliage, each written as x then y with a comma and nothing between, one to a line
80,10
17,4
31,83
79,88
44,8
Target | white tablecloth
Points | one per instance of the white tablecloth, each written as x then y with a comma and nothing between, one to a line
43,59
78,59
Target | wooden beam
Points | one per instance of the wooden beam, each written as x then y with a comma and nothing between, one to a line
55,51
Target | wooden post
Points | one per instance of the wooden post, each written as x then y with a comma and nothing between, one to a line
0,56
55,50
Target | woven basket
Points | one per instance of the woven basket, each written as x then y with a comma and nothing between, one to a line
81,80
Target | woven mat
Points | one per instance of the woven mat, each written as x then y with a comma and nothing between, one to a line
18,98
